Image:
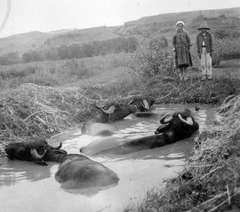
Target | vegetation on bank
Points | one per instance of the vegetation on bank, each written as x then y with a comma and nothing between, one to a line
41,99
29,107
31,110
226,47
71,51
210,180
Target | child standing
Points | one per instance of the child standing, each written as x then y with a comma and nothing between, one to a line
182,43
204,43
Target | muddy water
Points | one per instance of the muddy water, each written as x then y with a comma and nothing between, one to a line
27,187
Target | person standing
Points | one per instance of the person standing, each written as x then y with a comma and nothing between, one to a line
181,46
204,42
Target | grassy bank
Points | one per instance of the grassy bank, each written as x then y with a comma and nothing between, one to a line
61,97
42,99
32,108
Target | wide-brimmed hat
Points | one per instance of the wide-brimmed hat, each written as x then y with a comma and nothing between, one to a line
203,25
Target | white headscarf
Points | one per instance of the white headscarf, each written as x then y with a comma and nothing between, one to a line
180,22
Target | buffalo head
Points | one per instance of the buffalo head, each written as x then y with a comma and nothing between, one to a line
143,103
178,125
110,112
113,111
38,151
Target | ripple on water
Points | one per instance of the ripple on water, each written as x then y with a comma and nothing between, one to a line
25,186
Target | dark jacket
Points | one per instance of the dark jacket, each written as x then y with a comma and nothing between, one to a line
181,43
208,42
181,39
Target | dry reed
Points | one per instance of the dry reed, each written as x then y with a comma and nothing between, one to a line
211,179
39,111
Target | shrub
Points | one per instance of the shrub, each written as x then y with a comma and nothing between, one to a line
221,34
10,58
81,50
76,68
227,48
153,58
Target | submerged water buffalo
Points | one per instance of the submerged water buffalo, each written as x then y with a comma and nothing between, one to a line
38,151
143,103
175,127
112,111
75,170
78,171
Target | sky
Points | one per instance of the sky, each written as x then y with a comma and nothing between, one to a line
20,16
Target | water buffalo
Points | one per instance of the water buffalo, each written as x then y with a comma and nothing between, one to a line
78,171
143,103
38,151
175,127
112,111
75,170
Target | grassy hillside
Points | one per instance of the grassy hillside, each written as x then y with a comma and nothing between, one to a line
185,16
22,42
34,40
81,36
226,19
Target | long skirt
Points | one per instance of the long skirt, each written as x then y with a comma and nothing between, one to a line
183,57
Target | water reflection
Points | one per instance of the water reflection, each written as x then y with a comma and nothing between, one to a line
88,192
139,171
13,171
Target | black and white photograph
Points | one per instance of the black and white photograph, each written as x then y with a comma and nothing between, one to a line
119,106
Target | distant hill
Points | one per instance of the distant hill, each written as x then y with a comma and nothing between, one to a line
185,16
226,19
24,42
164,24
81,36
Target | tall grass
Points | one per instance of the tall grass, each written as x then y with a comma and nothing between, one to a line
55,73
211,179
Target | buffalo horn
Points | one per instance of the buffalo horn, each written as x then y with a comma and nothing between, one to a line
189,120
35,154
57,148
165,120
131,102
97,106
4,144
145,104
110,110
